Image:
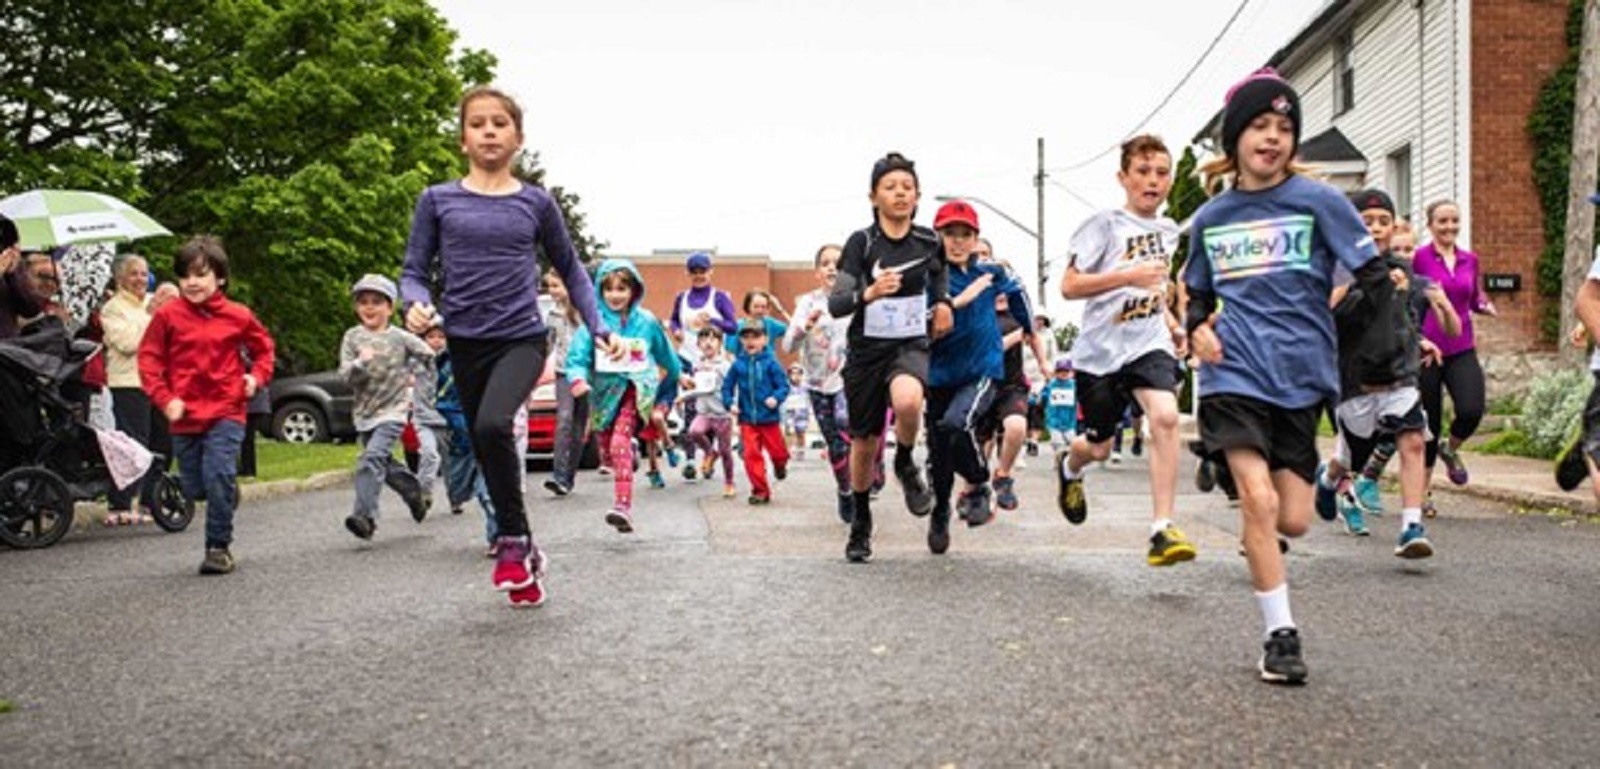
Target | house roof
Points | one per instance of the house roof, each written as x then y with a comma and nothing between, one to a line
1308,38
1330,146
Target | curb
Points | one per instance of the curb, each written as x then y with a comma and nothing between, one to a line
255,492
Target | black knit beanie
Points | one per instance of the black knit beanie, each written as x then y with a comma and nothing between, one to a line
1367,200
1263,91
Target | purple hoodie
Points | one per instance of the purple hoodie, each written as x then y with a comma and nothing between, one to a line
1461,287
485,245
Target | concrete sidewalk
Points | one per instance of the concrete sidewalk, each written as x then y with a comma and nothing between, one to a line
1529,483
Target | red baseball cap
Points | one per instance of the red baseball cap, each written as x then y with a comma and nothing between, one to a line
956,212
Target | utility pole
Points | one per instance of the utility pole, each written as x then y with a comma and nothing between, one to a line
1585,167
1038,184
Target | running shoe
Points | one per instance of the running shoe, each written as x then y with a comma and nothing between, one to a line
1205,476
673,457
729,491
847,507
532,595
780,471
859,547
1116,457
689,472
217,561
1368,495
919,500
1069,494
1169,546
1005,493
939,531
518,564
708,468
1413,543
1571,466
620,519
602,470
1137,449
1452,462
656,481
360,525
757,500
1281,662
1428,508
557,487
1033,448
1355,523
974,504
1327,496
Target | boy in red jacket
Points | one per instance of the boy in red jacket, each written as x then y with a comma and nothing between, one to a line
189,365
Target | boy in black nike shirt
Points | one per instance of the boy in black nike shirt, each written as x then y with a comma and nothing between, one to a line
892,279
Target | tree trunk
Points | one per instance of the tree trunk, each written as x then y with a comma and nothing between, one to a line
1585,168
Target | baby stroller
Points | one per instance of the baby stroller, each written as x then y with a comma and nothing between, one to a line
50,458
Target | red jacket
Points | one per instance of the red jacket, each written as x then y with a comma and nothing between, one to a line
191,352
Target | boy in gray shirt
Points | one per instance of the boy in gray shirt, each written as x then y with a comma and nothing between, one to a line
379,361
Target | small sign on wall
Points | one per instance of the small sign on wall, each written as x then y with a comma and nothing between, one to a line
1499,282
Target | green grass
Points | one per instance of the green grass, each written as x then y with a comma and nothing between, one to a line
293,461
1515,443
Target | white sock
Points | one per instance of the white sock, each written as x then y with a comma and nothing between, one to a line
1159,525
1066,468
1409,516
1275,608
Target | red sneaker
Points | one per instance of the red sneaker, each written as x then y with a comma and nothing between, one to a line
518,565
528,597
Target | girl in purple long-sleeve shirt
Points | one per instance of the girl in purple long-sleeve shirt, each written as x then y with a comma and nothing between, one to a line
1455,269
483,230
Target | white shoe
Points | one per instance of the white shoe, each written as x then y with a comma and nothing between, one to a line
1020,464
1116,457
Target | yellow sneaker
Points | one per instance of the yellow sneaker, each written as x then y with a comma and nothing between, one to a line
1168,547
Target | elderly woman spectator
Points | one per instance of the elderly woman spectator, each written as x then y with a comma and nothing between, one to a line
18,298
123,319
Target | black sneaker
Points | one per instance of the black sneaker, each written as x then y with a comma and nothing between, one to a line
557,487
689,472
218,561
1571,466
974,504
859,548
1069,494
847,508
781,472
919,500
1281,662
1138,445
1205,476
410,490
360,525
939,531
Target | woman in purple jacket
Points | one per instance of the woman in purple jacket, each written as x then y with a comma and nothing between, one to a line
1455,269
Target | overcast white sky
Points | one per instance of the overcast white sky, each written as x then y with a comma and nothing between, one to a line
750,126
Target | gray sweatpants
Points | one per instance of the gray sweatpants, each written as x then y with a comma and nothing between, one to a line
377,467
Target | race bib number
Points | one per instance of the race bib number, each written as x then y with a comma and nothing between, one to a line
1063,398
897,317
635,358
705,381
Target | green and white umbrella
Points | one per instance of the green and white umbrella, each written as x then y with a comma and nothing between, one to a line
50,218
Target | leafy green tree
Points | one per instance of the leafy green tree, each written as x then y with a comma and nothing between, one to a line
1186,197
300,131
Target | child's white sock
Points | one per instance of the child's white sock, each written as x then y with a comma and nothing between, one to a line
1275,608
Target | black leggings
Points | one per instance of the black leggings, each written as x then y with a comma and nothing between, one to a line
1463,377
494,377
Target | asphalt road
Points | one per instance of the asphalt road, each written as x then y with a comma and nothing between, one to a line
721,634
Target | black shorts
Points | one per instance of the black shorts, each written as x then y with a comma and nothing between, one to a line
1105,398
866,384
1591,422
1286,437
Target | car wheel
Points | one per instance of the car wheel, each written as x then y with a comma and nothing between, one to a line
299,423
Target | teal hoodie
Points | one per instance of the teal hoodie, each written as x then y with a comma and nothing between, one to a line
635,324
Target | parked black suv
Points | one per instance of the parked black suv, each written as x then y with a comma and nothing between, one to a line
314,408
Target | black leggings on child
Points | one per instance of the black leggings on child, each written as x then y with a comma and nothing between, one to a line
494,377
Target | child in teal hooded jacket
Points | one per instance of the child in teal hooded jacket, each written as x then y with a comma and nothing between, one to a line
622,390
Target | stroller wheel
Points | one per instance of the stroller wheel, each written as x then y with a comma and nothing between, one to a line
35,508
173,511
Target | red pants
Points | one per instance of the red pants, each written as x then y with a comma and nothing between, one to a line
757,438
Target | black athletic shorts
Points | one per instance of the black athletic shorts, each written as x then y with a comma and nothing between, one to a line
1105,398
1286,437
1591,422
1010,400
866,384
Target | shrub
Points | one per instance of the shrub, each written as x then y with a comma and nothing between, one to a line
1509,443
1553,410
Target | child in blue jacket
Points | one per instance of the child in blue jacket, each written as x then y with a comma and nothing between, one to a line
754,391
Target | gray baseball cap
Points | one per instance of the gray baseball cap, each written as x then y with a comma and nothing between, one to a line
376,284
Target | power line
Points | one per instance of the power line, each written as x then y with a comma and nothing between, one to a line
1170,94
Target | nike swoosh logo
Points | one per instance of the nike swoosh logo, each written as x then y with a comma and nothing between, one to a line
878,269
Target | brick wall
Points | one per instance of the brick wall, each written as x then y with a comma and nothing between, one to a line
1516,44
664,277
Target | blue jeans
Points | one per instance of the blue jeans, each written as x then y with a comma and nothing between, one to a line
208,466
463,479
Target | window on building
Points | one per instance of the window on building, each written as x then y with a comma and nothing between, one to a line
1398,176
1344,74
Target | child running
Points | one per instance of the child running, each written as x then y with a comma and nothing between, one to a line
377,360
797,412
1128,351
572,413
754,392
1005,429
712,428
622,390
481,234
818,340
965,372
1267,250
1060,399
189,365
891,277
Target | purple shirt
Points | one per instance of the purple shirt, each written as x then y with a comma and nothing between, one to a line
699,297
485,245
1460,286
